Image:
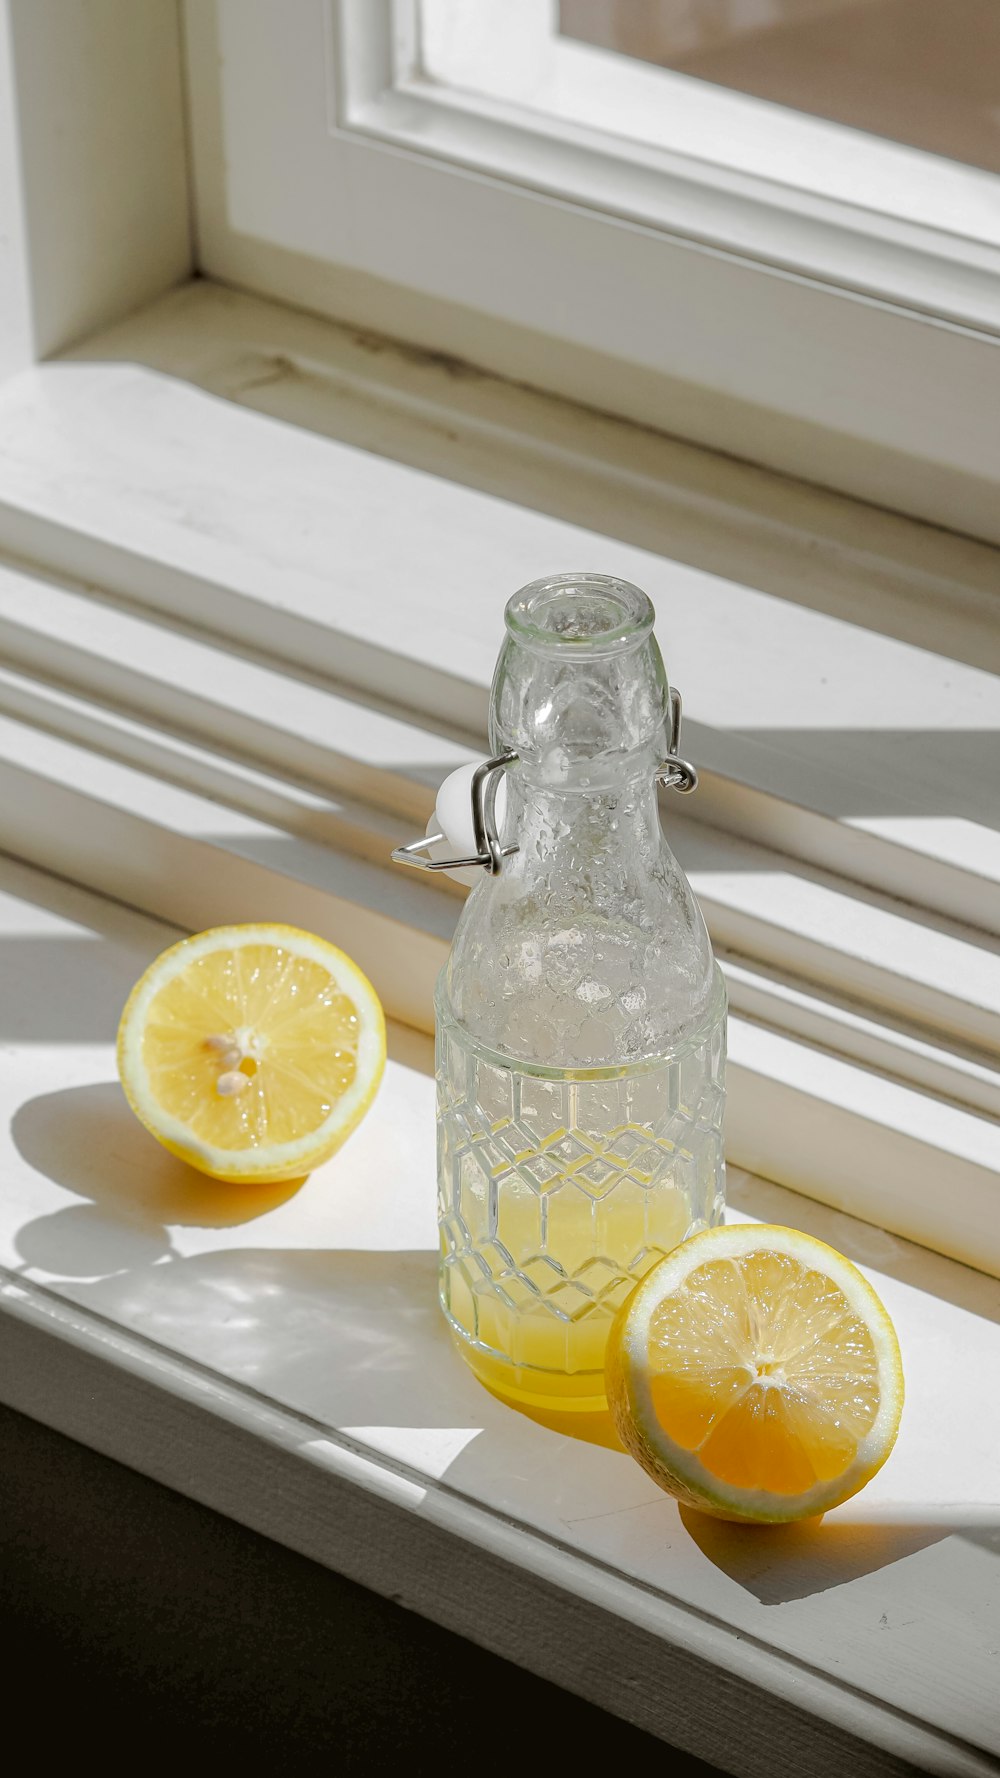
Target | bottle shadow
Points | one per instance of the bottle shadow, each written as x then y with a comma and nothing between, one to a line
352,1338
592,1428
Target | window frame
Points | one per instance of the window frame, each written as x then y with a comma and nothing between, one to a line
712,165
358,188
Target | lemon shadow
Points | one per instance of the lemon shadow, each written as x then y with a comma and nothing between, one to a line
87,1140
779,1563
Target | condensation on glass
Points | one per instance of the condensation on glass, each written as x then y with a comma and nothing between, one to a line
581,1017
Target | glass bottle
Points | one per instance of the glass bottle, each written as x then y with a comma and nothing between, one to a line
581,1017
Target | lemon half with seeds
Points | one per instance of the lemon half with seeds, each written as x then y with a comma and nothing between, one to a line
755,1374
252,1052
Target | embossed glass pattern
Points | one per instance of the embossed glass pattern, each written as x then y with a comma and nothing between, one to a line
580,1017
558,1191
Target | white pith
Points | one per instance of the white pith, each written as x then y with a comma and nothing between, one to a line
737,1241
349,981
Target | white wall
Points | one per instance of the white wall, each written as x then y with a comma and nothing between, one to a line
93,176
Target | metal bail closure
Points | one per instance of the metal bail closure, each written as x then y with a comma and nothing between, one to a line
489,854
676,773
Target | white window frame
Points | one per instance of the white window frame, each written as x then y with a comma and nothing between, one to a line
716,166
823,340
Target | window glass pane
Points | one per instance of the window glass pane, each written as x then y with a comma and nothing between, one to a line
921,72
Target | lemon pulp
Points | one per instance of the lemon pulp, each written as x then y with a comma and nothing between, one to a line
252,1051
761,1366
296,1031
755,1373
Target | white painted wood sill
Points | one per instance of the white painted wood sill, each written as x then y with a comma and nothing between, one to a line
252,571
281,1358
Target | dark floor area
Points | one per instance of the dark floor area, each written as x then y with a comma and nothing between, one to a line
154,1630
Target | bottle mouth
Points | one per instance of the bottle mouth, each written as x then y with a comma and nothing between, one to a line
593,614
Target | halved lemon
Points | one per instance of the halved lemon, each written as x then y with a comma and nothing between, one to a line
755,1374
252,1051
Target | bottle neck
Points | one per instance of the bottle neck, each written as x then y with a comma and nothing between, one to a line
613,822
580,692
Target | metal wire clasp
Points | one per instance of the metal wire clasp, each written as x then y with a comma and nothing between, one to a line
673,772
676,773
489,852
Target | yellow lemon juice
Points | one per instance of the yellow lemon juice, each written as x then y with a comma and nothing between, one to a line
552,1211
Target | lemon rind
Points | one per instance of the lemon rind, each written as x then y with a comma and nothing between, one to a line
628,1379
277,1160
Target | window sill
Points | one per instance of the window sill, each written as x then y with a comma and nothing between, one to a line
284,1362
220,705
